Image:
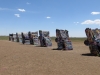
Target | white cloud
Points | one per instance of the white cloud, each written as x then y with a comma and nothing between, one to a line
76,23
3,9
15,10
17,15
95,13
96,21
6,9
28,3
48,17
22,10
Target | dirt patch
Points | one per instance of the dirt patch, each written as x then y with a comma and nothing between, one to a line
18,59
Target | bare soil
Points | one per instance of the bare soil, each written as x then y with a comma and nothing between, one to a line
18,59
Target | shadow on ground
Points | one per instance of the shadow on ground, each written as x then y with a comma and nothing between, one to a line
56,49
60,49
87,54
40,46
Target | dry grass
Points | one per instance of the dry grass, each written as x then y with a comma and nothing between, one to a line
18,59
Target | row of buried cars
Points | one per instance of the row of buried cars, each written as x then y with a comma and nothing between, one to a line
42,39
62,39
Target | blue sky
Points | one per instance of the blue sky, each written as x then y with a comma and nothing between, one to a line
32,15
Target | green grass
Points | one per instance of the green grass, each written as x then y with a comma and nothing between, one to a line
72,39
53,38
77,39
4,37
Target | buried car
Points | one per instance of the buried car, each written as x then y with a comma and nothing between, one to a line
63,41
93,40
11,37
30,37
26,38
44,38
14,37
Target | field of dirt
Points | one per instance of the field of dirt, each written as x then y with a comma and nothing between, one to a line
18,59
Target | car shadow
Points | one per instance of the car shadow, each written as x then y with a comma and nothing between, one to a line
87,54
59,49
40,46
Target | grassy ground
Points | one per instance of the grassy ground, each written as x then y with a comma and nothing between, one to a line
72,39
53,38
3,37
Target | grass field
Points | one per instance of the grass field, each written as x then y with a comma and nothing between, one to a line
53,38
72,39
3,37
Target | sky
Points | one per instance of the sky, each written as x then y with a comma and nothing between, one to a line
49,15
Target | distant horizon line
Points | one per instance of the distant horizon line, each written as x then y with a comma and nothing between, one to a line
55,36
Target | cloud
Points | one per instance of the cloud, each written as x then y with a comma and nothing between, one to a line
17,15
6,9
21,10
95,13
28,3
48,17
96,21
76,23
